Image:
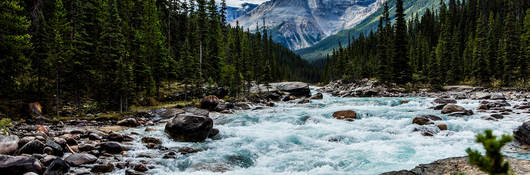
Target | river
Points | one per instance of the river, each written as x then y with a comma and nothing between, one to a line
305,139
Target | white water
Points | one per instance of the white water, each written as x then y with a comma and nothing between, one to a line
279,141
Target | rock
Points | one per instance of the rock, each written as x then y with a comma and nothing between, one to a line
425,120
94,136
188,150
140,168
80,159
103,168
450,108
149,129
151,140
8,144
189,128
14,165
57,150
25,140
439,107
57,167
497,97
298,89
317,96
197,111
442,127
242,105
132,172
497,116
129,122
47,160
111,147
115,137
444,101
347,115
86,147
289,98
210,102
213,132
170,113
522,133
41,128
33,147
304,101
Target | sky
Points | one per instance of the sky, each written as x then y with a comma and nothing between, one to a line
237,3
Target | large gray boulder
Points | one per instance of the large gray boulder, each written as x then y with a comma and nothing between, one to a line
298,89
451,108
189,128
522,133
8,144
19,165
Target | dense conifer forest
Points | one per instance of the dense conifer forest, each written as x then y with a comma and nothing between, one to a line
118,52
478,42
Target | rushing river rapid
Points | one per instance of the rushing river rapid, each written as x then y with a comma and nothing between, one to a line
305,139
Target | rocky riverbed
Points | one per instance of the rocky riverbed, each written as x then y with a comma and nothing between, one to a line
281,128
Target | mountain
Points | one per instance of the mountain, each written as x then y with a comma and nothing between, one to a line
234,12
322,48
299,24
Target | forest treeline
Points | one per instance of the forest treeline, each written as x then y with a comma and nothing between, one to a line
115,52
480,42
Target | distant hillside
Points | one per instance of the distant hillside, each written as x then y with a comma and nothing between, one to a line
322,48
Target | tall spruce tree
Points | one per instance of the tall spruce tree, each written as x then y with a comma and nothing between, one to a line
400,56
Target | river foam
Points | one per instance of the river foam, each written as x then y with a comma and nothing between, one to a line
305,139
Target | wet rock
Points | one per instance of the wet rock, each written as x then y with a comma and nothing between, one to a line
522,133
56,149
347,115
497,116
129,122
8,144
11,165
33,147
57,167
213,132
317,96
80,159
111,147
242,106
303,101
196,111
94,136
127,138
148,129
170,113
425,131
103,168
86,147
210,102
498,97
438,107
289,98
140,168
444,101
442,127
132,172
115,137
188,150
25,140
170,155
425,120
151,140
298,89
189,128
450,108
47,160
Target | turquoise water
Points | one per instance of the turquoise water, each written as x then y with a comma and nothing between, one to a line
305,139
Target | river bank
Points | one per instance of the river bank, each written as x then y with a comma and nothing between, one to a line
288,137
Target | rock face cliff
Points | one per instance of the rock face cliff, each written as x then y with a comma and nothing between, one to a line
234,12
299,24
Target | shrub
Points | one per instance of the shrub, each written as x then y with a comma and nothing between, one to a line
493,162
5,125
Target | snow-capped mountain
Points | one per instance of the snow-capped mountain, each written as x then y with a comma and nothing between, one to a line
234,12
299,24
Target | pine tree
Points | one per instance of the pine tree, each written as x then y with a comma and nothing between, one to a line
510,45
480,61
400,59
14,41
525,49
493,162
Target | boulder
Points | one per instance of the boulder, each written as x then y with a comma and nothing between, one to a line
103,168
140,168
151,140
189,128
522,133
298,89
213,132
442,127
347,115
425,120
111,147
451,108
317,96
210,102
170,113
129,122
32,147
115,137
15,165
80,159
57,167
56,149
444,101
8,144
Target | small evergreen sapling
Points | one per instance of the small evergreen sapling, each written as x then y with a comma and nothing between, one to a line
493,163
